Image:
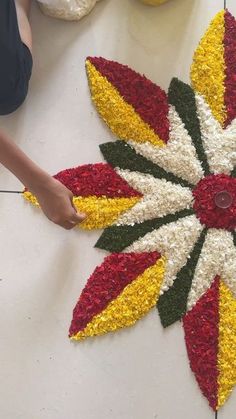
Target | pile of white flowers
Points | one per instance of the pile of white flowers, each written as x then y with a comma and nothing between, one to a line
67,9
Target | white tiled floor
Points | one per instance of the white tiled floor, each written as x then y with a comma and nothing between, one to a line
141,373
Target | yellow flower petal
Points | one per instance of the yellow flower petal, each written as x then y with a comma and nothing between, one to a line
101,211
132,304
227,344
208,68
119,115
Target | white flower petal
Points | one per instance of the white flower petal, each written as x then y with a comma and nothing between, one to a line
160,198
175,241
218,257
178,156
219,143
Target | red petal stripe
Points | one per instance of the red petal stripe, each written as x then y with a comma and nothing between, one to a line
201,327
148,99
106,283
230,62
96,180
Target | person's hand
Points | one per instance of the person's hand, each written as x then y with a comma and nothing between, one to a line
54,198
56,201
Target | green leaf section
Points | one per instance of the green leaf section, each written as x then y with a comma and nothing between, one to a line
122,155
117,238
182,97
234,237
172,305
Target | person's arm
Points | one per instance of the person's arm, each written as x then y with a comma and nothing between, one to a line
54,198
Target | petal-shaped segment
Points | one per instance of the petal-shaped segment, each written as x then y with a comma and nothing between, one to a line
132,106
119,292
213,71
166,240
98,191
182,97
201,326
210,335
230,64
218,257
227,344
98,179
179,156
122,155
208,68
160,198
102,212
219,142
172,305
117,238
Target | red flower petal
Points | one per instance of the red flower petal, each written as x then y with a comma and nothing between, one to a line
230,62
96,180
148,99
107,282
201,327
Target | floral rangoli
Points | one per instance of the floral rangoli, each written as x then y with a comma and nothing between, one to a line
167,200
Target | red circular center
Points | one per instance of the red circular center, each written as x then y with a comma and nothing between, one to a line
215,201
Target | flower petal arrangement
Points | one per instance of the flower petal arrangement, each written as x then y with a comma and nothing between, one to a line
167,200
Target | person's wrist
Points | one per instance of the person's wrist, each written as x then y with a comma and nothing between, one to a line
39,181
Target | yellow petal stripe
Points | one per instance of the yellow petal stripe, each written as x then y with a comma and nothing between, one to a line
132,304
208,68
101,211
31,198
227,344
118,114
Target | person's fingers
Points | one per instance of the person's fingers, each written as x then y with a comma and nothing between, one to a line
78,214
72,221
77,217
67,225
